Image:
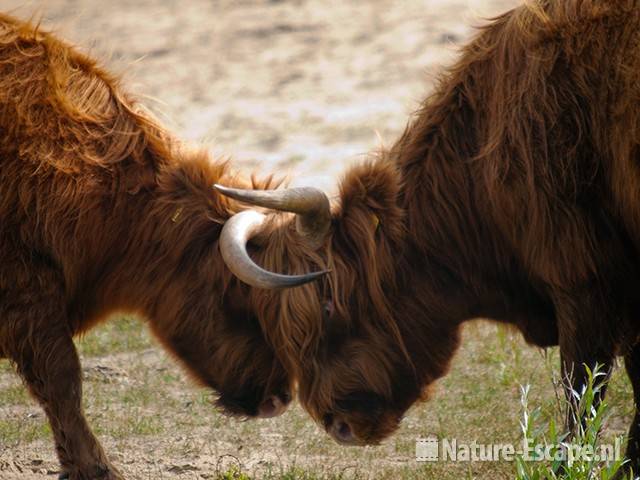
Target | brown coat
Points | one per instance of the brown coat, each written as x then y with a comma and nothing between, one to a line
101,211
513,194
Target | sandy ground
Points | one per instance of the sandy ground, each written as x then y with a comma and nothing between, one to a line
303,88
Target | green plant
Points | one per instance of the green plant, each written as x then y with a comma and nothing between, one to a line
551,454
233,473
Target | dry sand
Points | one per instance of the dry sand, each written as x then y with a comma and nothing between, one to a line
306,87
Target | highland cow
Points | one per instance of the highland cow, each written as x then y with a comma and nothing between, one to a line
102,211
514,194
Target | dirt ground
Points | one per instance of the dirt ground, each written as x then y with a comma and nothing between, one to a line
304,88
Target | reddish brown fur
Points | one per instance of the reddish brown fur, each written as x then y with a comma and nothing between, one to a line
103,212
514,194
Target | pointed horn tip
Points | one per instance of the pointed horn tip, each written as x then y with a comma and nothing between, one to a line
310,277
289,281
319,274
230,192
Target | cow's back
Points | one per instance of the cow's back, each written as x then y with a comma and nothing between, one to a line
74,149
557,86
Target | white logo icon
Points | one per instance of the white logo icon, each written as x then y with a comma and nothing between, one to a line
427,449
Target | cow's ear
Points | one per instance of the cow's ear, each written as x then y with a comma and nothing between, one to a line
368,232
369,196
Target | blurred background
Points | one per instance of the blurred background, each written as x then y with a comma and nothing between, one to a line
303,88
289,86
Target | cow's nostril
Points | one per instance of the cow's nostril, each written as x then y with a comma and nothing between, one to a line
340,430
327,420
271,407
344,430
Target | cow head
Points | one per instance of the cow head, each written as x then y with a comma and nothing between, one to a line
356,338
204,319
204,315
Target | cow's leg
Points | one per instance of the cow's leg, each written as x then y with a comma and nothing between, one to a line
632,364
36,337
587,339
49,364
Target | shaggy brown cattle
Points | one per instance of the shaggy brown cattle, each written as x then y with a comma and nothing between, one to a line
101,211
514,194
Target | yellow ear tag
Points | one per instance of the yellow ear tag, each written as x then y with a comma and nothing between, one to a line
376,221
176,216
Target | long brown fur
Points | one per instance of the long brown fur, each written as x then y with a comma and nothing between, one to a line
513,194
102,211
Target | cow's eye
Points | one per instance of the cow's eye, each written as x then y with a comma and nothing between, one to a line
327,310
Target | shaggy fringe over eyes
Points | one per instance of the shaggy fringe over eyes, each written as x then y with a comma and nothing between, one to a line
368,228
369,232
296,313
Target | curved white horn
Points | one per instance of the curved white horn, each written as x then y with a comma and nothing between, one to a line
233,245
311,205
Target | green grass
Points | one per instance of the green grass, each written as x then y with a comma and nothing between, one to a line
566,461
146,410
14,431
14,394
126,334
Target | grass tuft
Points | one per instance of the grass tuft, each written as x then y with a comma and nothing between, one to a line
566,456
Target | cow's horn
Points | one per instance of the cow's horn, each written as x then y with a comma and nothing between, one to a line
233,245
311,205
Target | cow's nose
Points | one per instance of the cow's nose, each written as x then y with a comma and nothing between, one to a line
271,407
341,431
